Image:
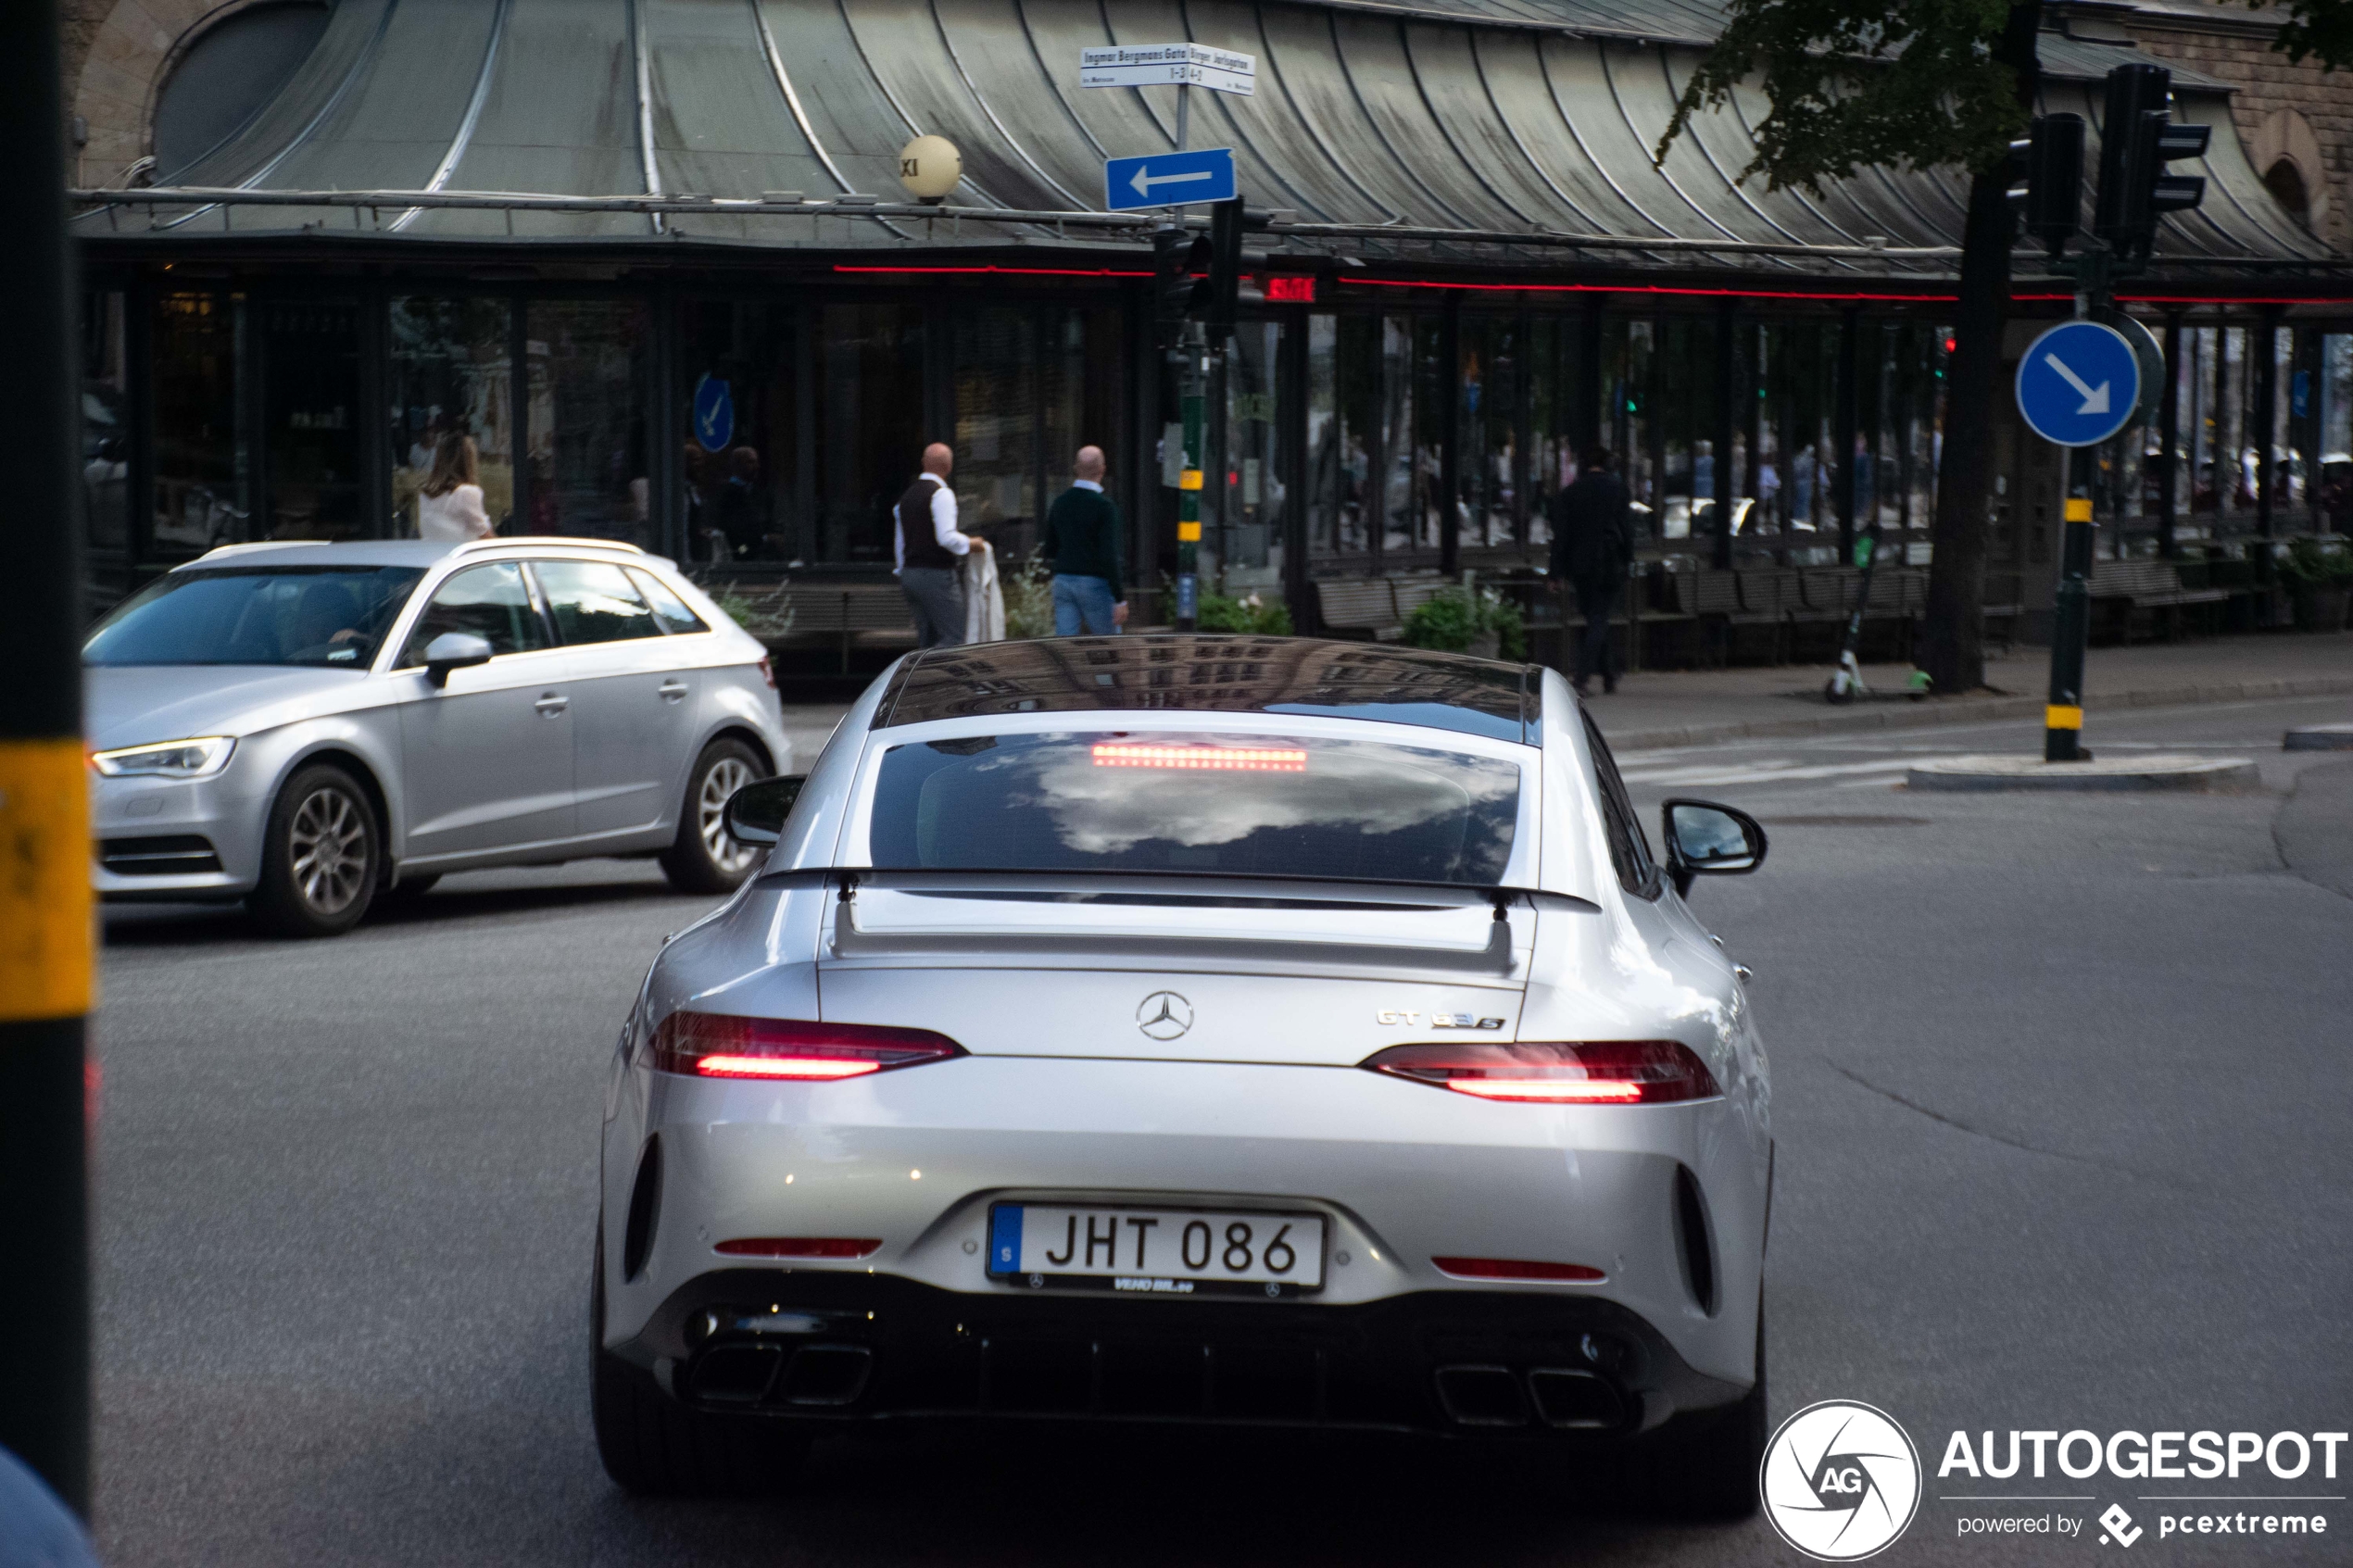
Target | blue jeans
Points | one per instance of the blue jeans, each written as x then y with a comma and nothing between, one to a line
1082,603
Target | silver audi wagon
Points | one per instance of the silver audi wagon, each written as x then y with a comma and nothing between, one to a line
311,727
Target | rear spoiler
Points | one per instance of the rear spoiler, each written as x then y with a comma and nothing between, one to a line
1171,884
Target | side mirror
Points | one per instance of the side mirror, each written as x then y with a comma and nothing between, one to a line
756,813
1705,839
454,650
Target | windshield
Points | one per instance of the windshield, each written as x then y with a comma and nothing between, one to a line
1201,803
330,616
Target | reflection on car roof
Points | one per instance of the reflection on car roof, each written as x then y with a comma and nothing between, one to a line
1219,673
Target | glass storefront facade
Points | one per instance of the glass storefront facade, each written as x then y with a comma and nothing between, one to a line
1414,432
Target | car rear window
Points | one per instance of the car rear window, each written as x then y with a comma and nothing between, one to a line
1235,805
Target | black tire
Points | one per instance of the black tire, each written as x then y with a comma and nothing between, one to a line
703,858
320,857
1709,1468
655,1447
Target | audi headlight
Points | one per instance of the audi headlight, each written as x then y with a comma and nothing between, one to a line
195,759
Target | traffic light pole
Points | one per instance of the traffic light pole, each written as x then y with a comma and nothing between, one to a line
2071,615
1194,402
2072,623
45,945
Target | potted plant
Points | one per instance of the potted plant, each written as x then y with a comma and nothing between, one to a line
1481,623
2318,575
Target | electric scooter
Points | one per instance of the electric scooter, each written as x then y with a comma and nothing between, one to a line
1846,684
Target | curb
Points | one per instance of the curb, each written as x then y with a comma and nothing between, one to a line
1969,711
2318,737
1977,774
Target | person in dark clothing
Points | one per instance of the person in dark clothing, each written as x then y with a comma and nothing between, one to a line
1593,546
930,550
1082,541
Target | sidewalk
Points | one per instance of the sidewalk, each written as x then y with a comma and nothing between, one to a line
1652,710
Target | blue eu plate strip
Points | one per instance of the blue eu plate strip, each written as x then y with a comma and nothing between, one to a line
1004,1239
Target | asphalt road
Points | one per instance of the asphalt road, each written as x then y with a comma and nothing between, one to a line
2061,1095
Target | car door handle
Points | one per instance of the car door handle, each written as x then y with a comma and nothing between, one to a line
672,691
550,704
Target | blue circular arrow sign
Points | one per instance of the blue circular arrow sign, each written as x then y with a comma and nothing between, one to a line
714,413
2078,384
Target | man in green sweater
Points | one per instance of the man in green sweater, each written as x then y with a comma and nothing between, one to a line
1082,541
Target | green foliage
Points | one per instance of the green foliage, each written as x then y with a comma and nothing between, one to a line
1452,621
2314,564
2321,30
1853,84
766,613
1028,589
1249,614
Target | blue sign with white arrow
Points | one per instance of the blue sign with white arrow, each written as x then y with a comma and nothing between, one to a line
714,413
2078,384
1169,179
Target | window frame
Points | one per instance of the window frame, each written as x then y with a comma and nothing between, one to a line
1618,816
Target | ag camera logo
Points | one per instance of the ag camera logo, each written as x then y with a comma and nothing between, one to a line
1840,1481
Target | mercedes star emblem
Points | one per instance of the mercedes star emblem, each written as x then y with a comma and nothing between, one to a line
1164,1015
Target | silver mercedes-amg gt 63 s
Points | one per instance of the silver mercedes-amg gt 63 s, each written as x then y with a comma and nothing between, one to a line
1239,1031
313,727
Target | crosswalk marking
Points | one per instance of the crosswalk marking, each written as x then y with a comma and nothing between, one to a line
1769,771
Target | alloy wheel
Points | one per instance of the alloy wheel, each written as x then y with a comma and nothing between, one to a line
328,847
719,785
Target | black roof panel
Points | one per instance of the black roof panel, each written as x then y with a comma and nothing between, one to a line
1218,673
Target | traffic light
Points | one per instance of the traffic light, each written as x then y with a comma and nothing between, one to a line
2138,138
2049,168
1180,268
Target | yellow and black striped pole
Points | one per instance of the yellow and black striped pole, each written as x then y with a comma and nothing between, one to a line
45,937
2071,620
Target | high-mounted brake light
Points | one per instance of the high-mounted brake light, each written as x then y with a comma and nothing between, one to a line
1557,1072
715,1044
1219,759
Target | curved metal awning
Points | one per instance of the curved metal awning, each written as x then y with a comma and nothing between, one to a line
1484,120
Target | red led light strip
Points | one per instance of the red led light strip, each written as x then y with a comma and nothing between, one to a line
1638,288
1005,271
818,1068
1219,759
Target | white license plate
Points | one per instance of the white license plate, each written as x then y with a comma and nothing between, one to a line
1156,1251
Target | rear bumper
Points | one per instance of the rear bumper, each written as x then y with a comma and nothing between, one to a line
1403,1173
837,1350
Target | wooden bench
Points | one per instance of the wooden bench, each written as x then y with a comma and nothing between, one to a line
2131,587
1365,605
1374,607
849,615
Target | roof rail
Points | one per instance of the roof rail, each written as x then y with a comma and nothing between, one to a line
568,541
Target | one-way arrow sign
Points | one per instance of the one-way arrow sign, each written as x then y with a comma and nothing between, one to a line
1169,179
2078,384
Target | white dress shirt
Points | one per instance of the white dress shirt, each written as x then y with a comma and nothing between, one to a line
943,526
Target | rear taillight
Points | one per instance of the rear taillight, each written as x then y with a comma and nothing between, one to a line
1557,1072
768,673
715,1044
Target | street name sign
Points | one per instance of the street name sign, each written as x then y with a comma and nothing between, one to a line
1168,65
2079,384
1169,179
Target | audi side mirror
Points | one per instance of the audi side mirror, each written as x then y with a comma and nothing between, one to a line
1705,839
756,813
454,650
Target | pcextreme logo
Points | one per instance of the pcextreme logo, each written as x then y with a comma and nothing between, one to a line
1840,1481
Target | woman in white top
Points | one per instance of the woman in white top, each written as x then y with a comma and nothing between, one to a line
449,508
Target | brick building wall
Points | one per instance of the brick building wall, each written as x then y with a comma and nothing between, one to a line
2290,114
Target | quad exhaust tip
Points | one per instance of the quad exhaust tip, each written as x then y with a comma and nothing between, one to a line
1565,1399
